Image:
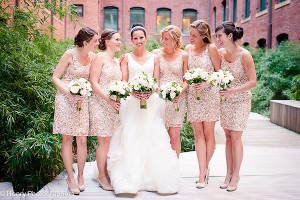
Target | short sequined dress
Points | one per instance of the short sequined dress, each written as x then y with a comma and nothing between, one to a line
102,115
68,120
172,71
236,108
208,107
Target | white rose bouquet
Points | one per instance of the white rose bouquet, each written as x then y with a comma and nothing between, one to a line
221,79
143,83
196,75
81,87
119,90
169,91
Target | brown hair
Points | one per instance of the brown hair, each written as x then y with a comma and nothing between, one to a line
137,27
175,33
229,27
203,29
106,35
84,35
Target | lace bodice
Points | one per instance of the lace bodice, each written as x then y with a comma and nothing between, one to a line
109,74
135,68
201,61
170,70
237,70
76,70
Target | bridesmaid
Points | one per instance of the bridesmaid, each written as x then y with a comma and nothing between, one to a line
68,121
104,70
173,65
236,108
203,113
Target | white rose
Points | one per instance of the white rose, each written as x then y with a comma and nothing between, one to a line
74,89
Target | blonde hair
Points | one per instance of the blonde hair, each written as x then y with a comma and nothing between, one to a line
175,34
203,29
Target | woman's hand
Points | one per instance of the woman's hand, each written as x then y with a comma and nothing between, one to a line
114,104
145,95
141,95
227,92
74,97
199,86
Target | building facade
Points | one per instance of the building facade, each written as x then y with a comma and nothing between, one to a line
266,22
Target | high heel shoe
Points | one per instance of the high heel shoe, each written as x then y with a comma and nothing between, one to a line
74,191
206,178
107,188
226,182
231,187
80,187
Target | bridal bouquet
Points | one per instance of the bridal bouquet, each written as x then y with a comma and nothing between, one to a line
196,75
169,91
221,79
119,90
80,87
143,83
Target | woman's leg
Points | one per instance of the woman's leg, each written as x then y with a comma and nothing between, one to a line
237,157
229,159
200,146
67,156
174,133
81,157
209,134
101,157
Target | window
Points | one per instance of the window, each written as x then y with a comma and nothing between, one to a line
247,9
234,7
163,18
78,9
137,15
262,5
246,44
111,16
189,16
280,1
224,11
262,43
282,37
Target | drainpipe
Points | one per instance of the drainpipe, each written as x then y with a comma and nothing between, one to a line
209,12
270,24
227,10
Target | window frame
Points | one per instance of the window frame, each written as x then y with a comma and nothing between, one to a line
185,11
158,29
107,8
136,8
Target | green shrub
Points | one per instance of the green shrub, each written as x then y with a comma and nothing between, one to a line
277,75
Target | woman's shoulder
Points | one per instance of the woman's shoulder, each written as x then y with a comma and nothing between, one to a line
188,47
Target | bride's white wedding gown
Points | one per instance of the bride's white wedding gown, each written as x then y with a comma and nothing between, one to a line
140,156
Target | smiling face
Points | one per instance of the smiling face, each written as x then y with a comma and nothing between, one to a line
138,39
195,36
115,42
222,38
167,41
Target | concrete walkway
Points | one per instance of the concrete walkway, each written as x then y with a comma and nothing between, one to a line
270,170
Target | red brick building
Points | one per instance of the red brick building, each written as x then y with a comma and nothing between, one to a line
266,22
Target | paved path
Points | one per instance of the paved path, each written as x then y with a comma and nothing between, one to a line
270,170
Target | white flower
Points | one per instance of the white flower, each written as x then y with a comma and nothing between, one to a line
74,89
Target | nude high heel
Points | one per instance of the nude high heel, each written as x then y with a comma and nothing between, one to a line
105,187
80,187
226,182
231,187
74,191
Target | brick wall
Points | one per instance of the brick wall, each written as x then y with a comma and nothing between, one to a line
284,20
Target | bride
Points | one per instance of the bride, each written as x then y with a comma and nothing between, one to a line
140,156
